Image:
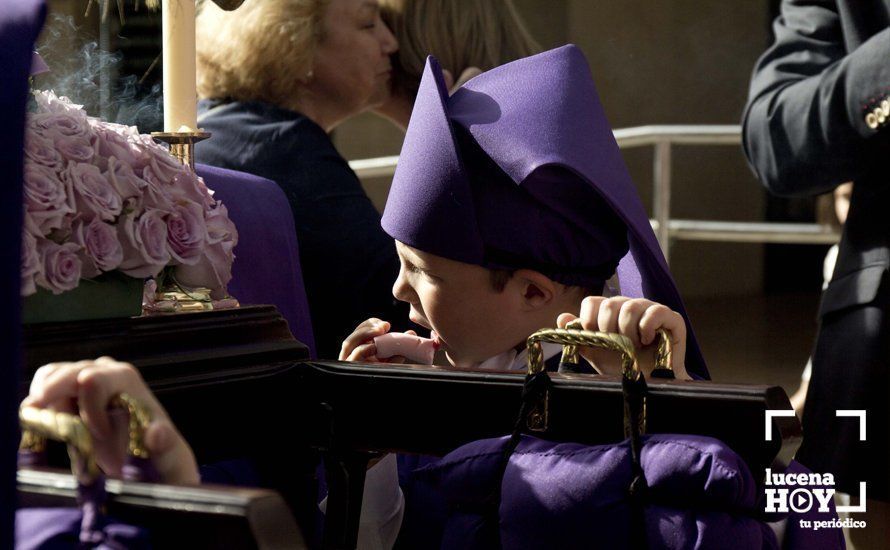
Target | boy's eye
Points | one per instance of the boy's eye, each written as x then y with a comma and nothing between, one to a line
411,268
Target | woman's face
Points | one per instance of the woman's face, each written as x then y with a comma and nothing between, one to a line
351,69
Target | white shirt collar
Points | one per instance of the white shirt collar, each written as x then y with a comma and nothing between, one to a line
511,360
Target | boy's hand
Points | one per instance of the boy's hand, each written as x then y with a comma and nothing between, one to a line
452,85
87,388
638,319
359,346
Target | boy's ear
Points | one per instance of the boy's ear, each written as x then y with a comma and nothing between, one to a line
536,290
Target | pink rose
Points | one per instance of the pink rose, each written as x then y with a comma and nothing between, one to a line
112,140
61,266
62,124
93,193
101,249
31,266
47,201
127,184
144,241
188,185
177,180
49,102
43,152
130,185
164,167
186,232
58,117
213,270
75,149
219,226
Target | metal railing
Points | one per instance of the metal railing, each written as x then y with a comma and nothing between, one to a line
662,139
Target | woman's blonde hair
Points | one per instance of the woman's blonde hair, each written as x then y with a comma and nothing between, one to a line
459,33
260,52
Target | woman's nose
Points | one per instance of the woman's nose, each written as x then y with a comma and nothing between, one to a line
388,41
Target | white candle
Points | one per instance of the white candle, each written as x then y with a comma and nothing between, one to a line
180,94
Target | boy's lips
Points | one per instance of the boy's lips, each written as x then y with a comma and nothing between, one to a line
418,319
434,336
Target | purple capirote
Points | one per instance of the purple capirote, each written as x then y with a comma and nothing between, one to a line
540,121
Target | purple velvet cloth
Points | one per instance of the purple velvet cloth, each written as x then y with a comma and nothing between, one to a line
267,260
86,526
20,23
535,117
59,528
565,495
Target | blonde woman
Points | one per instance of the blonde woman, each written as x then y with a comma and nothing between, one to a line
466,36
275,78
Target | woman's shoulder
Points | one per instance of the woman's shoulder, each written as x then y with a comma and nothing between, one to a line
258,132
257,119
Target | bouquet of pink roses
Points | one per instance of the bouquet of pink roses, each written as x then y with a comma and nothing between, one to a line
101,197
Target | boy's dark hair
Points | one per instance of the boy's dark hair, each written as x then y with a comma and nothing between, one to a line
499,278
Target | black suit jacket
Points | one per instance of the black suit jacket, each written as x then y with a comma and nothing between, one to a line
818,115
349,263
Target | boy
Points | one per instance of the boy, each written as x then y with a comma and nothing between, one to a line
510,204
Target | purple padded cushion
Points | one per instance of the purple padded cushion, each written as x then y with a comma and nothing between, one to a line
267,257
566,495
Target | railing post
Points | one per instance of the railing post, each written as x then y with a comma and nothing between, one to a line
661,196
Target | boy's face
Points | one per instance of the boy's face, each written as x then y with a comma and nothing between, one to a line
473,320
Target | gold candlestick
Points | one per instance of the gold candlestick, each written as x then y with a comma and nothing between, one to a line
182,144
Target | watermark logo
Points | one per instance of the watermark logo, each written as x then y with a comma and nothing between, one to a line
798,492
804,492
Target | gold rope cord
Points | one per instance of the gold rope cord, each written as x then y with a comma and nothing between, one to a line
140,418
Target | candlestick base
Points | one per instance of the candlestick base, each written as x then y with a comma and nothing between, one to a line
182,144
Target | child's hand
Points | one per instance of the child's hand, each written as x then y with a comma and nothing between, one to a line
87,388
359,346
638,319
465,76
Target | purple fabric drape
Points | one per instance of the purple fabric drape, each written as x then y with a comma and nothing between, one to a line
267,259
20,22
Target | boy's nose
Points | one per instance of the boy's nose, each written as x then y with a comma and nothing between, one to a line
401,290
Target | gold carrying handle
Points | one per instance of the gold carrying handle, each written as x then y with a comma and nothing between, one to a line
38,425
573,336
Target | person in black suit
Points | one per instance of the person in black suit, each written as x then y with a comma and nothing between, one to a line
818,115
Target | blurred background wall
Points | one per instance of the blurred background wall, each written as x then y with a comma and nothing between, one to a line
664,62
